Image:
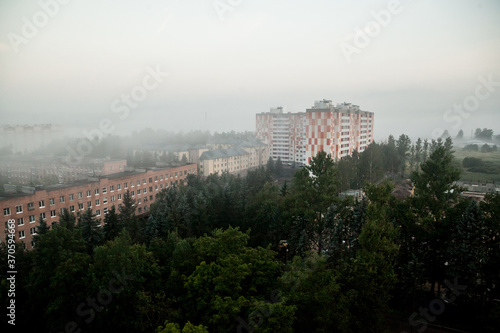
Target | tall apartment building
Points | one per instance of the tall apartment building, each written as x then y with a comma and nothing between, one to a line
99,194
298,137
284,133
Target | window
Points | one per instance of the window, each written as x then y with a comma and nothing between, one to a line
19,209
62,210
71,197
61,198
97,203
104,190
112,198
139,201
156,187
43,216
71,208
98,212
96,191
139,210
112,188
144,180
105,200
118,187
80,195
151,179
6,211
145,208
20,221
161,186
185,172
80,206
161,177
21,234
138,183
176,174
53,213
89,204
105,211
31,205
150,197
88,193
33,231
52,201
156,178
151,188
125,185
41,203
32,218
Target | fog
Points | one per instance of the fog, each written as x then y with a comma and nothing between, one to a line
212,65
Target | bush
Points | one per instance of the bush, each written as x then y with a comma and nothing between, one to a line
472,147
486,149
470,162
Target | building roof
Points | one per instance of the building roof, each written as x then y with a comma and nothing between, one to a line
223,153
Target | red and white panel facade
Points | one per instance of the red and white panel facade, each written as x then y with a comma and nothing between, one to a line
337,130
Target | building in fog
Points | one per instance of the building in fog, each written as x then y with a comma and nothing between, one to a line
233,156
45,170
96,193
297,137
25,139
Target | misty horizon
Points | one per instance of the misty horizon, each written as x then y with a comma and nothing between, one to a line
195,66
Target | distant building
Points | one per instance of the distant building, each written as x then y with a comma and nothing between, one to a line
97,193
241,157
297,137
218,155
477,190
44,170
28,138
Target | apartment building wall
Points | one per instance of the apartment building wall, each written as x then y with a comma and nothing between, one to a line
99,195
284,134
297,137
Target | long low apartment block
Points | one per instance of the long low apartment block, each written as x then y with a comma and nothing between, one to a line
99,194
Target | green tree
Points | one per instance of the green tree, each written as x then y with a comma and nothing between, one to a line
468,249
42,227
278,168
57,279
403,146
67,219
270,166
434,185
90,228
229,280
188,328
112,226
371,164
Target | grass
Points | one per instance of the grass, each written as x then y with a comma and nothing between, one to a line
492,158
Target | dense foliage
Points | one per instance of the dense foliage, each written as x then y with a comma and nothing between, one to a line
247,254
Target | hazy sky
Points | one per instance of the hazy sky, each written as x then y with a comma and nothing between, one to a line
75,62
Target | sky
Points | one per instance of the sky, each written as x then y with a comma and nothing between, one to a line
121,66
